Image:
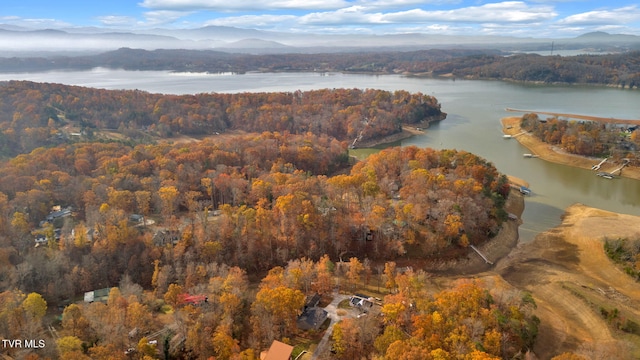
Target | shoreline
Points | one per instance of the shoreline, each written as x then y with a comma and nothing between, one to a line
495,249
568,273
406,133
578,116
511,126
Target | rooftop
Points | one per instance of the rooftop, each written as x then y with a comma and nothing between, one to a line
279,351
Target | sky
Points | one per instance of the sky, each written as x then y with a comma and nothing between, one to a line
528,18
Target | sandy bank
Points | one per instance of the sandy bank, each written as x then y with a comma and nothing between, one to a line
511,126
407,132
572,280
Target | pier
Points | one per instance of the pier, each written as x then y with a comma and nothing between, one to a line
625,162
481,255
597,167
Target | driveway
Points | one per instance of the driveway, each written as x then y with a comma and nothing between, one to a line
332,313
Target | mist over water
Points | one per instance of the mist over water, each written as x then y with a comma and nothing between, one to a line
474,111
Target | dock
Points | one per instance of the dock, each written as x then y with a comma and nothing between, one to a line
481,255
507,136
597,167
619,170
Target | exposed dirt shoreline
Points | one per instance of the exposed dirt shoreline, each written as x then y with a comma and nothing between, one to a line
511,126
571,278
407,132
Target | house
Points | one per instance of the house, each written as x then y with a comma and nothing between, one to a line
166,237
277,351
101,295
193,299
312,318
40,239
90,234
57,214
363,302
313,301
136,218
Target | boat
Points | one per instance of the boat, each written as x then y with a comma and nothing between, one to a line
605,175
525,190
507,136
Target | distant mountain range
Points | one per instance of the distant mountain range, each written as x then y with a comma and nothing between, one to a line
18,41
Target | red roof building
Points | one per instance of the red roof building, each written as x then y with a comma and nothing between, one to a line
277,351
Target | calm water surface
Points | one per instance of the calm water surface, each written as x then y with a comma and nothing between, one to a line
473,123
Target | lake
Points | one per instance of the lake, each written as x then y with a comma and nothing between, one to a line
474,111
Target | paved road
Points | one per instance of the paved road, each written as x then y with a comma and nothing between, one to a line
332,310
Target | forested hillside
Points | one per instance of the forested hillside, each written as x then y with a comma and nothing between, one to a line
621,69
216,214
33,115
211,245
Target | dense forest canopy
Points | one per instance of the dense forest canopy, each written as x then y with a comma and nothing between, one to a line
276,207
622,69
249,219
272,209
34,114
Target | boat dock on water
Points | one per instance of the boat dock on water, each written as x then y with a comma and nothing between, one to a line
605,175
525,190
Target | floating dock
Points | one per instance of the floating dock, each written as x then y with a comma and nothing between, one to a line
605,175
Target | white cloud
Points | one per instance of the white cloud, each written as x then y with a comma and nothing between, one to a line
34,23
350,15
622,15
257,21
115,20
235,5
159,17
505,12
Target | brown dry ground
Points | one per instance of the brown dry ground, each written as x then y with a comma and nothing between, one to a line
511,126
570,277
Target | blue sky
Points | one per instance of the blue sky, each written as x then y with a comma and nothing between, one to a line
529,18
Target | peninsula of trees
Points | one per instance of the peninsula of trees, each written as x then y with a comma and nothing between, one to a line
33,115
601,138
252,222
